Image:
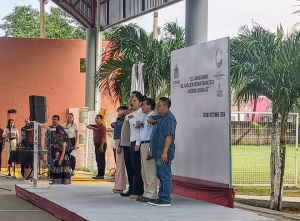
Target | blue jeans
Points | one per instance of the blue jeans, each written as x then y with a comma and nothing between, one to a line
164,174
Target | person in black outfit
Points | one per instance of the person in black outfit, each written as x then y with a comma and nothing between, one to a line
27,134
50,135
27,140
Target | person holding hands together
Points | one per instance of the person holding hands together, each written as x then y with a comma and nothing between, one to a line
162,149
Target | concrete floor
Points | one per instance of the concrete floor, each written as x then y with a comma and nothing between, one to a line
96,202
15,208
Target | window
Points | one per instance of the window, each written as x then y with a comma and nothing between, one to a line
82,65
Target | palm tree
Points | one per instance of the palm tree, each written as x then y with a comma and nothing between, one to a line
131,44
268,64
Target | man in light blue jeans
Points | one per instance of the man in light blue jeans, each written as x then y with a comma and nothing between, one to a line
162,149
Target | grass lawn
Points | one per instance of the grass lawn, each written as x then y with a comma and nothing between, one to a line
251,165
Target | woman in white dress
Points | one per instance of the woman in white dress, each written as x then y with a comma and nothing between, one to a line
71,129
12,138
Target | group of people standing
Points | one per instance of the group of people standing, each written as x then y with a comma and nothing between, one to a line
62,143
144,136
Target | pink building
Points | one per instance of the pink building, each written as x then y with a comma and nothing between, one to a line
263,105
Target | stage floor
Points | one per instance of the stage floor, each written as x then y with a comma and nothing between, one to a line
96,202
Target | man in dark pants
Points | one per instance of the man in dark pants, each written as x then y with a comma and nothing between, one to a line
125,144
1,145
162,149
27,139
100,145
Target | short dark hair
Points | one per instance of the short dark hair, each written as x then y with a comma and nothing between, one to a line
100,116
135,92
139,96
151,102
122,108
166,101
56,116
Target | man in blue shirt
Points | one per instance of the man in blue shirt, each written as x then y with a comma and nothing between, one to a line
162,149
147,162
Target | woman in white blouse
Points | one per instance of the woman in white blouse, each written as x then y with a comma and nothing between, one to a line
12,139
71,129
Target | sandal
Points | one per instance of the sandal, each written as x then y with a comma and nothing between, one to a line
117,191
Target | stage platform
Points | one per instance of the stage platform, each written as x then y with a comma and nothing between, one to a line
96,202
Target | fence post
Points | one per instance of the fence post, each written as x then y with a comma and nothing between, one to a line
297,143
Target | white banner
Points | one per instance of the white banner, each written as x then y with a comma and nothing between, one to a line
137,78
200,103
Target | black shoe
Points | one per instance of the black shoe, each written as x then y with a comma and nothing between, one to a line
153,200
144,200
8,174
125,194
101,177
96,177
159,203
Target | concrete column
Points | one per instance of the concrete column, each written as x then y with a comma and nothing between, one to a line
196,22
98,55
91,36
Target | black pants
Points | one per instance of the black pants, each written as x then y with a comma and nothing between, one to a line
1,143
72,158
129,169
100,159
72,162
23,166
138,185
115,150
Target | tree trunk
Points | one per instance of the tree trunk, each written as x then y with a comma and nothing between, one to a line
278,161
247,131
239,108
42,19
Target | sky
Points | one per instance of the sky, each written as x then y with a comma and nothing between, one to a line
225,16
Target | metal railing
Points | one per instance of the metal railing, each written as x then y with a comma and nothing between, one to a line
251,148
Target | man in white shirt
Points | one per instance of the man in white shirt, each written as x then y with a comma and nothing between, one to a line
147,162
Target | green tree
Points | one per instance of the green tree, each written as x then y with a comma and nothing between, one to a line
131,44
108,34
268,64
24,22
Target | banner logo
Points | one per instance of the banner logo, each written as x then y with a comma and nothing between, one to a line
176,72
218,58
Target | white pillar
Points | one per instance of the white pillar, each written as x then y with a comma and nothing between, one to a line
196,22
91,35
98,55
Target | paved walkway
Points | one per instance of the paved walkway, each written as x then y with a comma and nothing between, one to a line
14,208
96,202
